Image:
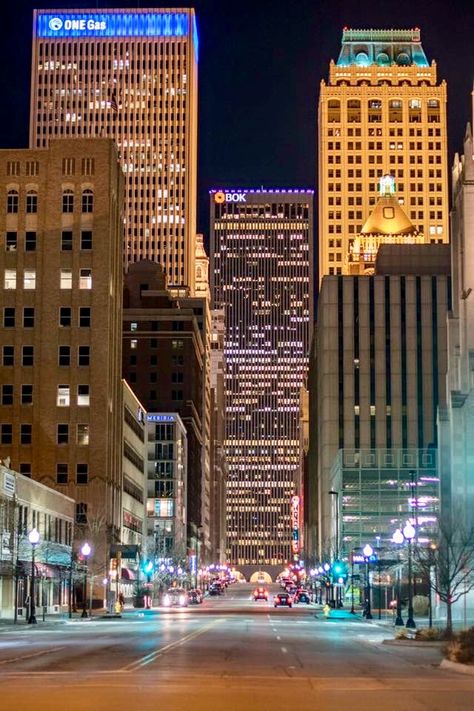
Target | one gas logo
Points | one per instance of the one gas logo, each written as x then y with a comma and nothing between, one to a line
221,197
55,23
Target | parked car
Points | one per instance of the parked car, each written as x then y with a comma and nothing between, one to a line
195,596
302,596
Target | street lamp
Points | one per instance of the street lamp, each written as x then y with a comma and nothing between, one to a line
368,551
409,534
33,538
398,539
86,551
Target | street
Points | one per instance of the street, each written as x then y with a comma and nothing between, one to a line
229,653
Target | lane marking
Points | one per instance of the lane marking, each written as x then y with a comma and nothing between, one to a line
30,656
149,658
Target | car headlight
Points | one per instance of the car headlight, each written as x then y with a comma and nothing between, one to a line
181,600
166,600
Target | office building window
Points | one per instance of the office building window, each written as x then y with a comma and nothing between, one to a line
83,434
27,355
62,474
30,241
63,396
87,201
82,473
10,279
25,469
84,317
31,202
26,394
65,316
64,355
29,279
7,394
81,514
9,317
68,201
28,317
62,435
83,355
66,241
83,395
65,280
8,355
25,433
12,201
6,433
86,239
85,279
11,241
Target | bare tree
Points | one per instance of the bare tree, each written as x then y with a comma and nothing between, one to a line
449,564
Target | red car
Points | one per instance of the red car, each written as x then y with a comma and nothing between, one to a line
260,594
283,599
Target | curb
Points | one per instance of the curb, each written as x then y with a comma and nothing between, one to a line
448,665
413,643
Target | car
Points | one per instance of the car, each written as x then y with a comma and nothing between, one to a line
260,594
175,597
302,596
215,589
282,599
195,596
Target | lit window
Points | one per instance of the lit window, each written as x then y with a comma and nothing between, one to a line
10,279
133,343
63,396
29,281
83,397
66,279
82,434
85,279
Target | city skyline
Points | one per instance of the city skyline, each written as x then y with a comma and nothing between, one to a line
238,105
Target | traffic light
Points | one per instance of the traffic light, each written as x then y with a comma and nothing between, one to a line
147,567
339,571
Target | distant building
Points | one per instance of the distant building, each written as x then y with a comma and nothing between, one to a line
132,76
26,504
262,276
377,373
218,532
164,363
382,111
60,342
167,471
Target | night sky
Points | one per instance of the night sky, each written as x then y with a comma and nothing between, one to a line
260,67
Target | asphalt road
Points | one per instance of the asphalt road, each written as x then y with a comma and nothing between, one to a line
230,653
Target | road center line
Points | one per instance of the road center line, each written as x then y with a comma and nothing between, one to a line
149,658
30,656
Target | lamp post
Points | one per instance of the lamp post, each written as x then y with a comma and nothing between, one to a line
409,533
368,551
33,538
352,584
86,551
398,539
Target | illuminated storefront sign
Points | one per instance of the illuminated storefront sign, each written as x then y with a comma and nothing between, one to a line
161,418
295,524
221,197
114,24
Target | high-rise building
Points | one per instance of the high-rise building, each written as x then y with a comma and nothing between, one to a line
382,111
60,342
131,76
261,247
377,375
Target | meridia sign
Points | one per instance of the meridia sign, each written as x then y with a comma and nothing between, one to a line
221,197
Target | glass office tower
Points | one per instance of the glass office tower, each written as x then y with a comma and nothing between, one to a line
131,76
262,276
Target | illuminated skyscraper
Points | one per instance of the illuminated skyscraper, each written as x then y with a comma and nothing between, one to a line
382,112
132,76
261,247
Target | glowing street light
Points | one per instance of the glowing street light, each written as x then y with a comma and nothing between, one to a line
368,551
33,538
86,550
